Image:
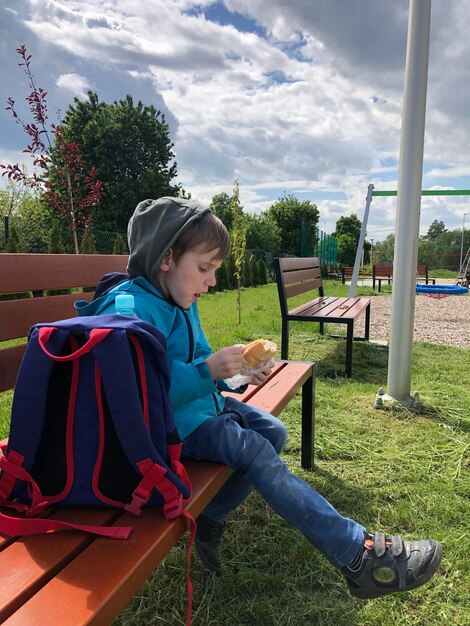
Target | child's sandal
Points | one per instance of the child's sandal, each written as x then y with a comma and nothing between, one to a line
390,564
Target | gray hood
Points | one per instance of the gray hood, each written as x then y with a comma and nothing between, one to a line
153,228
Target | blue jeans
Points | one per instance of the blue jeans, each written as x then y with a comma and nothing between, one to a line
250,440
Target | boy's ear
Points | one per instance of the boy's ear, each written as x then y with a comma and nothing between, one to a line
166,262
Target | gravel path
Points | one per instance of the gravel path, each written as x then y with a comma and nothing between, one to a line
445,320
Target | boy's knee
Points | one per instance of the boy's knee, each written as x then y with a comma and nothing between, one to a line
279,438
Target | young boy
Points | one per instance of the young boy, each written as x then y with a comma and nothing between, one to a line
176,247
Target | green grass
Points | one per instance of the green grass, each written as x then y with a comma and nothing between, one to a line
442,273
391,470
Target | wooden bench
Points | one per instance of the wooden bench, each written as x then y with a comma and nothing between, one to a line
384,272
295,276
70,578
347,272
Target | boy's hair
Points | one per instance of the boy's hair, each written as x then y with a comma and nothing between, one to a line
207,233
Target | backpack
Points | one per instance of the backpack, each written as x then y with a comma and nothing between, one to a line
92,424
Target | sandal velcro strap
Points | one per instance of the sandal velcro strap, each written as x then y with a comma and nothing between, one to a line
397,545
379,544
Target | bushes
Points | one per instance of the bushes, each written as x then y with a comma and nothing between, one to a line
254,273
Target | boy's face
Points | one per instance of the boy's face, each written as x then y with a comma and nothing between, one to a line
192,275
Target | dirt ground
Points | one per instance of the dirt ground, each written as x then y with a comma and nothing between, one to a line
444,321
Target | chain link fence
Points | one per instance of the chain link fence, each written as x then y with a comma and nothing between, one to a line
37,235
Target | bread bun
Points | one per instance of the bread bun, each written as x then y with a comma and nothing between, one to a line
259,350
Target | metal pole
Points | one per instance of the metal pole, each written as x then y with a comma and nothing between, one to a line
6,221
409,201
461,245
360,244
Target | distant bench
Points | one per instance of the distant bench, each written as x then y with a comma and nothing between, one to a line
384,272
347,272
69,578
296,276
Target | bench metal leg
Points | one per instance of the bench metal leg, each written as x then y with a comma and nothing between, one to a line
308,421
285,339
349,349
367,327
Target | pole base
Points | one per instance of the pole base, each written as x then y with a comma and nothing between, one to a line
384,400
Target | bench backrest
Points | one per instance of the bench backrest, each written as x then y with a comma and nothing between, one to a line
32,276
382,270
295,276
385,270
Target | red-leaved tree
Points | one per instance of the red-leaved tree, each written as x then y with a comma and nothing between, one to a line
67,186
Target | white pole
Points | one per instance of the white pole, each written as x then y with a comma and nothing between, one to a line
461,244
360,244
409,201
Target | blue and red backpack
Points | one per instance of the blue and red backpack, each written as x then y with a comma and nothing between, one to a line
92,424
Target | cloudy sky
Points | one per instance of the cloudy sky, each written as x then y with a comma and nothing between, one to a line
301,97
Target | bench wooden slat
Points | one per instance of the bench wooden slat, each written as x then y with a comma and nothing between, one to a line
251,390
295,290
356,308
275,395
288,263
39,560
333,308
19,315
313,307
10,359
301,275
16,275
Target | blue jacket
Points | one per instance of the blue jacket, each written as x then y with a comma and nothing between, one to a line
194,394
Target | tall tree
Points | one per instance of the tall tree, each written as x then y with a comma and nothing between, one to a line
436,229
262,233
288,212
347,233
221,205
130,147
384,250
348,225
347,246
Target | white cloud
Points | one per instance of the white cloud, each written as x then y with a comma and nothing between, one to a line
306,99
75,84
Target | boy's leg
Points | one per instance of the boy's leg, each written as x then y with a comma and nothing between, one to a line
237,489
211,522
222,439
373,565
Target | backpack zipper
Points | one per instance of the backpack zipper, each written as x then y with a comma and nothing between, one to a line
190,336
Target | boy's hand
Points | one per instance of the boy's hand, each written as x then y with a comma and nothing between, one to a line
225,363
261,377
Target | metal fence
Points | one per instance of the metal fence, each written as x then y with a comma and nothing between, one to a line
34,236
326,249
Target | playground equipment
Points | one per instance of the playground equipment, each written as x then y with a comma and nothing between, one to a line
464,272
371,193
444,290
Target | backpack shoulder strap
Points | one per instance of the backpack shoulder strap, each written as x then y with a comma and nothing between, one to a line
31,392
114,359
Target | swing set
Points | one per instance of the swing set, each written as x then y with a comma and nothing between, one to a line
434,291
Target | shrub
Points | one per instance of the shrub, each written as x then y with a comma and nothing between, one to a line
55,240
119,246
